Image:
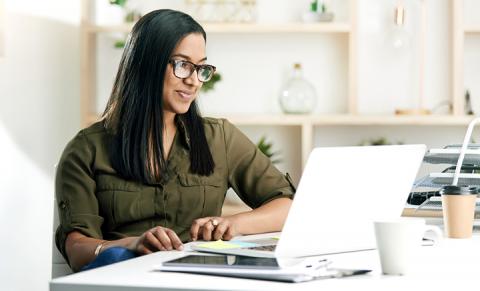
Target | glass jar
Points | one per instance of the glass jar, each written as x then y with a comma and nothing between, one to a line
298,95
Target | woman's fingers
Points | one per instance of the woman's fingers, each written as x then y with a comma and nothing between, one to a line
175,240
221,229
163,238
212,228
196,228
208,228
160,239
229,234
151,239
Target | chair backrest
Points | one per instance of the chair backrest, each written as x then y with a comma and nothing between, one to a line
59,265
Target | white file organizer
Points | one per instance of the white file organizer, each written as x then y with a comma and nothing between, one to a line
435,203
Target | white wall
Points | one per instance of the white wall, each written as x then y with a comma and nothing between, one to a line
2,22
39,112
39,100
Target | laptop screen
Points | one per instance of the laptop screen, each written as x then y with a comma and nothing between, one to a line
341,191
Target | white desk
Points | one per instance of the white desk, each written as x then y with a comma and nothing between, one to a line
450,265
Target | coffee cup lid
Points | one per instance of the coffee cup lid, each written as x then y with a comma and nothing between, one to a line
459,190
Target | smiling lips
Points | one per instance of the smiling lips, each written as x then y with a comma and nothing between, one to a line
185,94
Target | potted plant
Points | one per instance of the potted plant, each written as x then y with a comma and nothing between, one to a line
130,15
377,141
266,148
210,84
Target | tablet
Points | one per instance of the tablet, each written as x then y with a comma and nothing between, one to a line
255,268
224,261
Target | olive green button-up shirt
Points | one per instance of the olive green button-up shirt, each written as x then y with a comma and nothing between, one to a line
94,200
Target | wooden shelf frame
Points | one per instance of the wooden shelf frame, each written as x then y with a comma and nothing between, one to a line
473,29
459,32
458,38
346,119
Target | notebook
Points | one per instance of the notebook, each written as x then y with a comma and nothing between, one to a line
341,192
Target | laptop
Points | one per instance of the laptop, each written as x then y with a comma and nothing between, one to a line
341,192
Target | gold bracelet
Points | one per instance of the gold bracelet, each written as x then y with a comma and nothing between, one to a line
99,248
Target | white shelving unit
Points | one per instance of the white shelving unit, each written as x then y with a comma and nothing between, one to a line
460,31
307,123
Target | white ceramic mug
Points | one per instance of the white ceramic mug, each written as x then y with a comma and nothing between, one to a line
399,242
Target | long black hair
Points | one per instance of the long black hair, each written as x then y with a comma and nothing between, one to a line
134,112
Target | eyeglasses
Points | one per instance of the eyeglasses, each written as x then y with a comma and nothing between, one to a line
184,69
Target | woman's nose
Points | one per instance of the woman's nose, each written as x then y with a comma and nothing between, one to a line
193,79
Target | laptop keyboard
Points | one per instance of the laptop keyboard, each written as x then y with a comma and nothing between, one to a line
269,248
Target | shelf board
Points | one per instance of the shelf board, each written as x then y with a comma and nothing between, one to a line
280,119
349,119
265,119
472,29
330,27
344,119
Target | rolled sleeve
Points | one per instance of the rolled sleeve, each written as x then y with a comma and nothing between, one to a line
75,192
250,173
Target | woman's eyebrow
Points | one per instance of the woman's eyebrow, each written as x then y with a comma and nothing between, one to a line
187,57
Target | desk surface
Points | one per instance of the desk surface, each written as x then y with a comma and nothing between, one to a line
452,263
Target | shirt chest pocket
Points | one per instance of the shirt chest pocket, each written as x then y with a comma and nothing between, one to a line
121,201
198,197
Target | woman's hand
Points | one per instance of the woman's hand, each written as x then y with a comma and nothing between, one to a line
156,239
213,228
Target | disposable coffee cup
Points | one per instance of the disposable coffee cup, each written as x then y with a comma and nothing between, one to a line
458,204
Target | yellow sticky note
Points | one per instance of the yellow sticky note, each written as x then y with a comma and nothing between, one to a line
219,245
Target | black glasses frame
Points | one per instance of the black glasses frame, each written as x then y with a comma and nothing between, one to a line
177,63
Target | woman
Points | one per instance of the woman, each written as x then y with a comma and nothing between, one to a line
152,174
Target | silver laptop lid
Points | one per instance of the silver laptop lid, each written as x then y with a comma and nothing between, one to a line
342,190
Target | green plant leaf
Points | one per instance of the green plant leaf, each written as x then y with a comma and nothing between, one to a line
377,141
266,148
119,44
314,6
120,3
208,86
